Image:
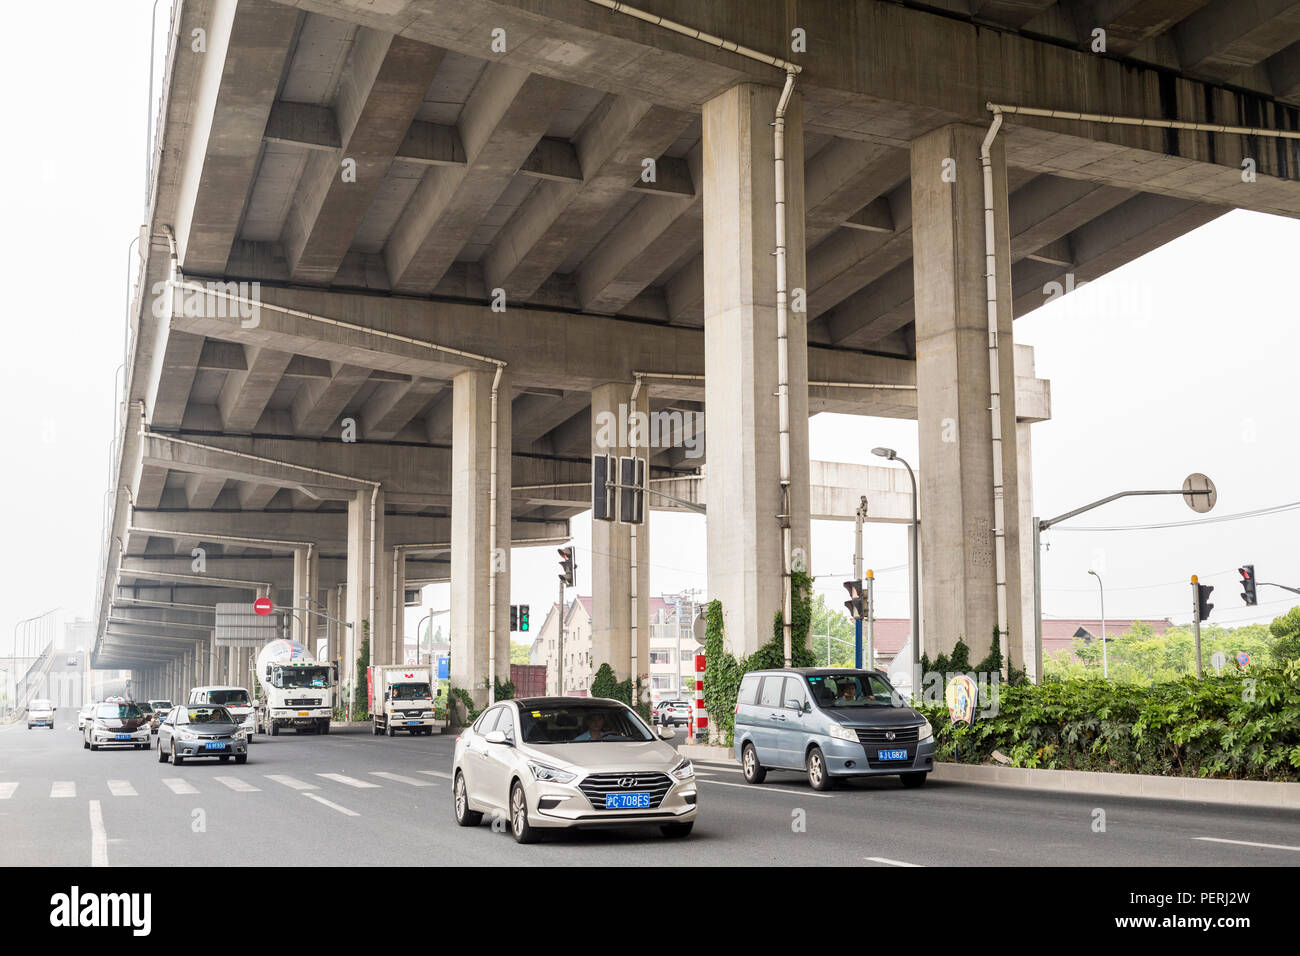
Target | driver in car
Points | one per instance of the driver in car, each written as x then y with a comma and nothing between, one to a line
848,693
595,728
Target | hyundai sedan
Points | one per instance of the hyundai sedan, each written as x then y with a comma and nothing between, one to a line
552,762
201,730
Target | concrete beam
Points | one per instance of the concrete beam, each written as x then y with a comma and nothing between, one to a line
318,404
245,395
1225,37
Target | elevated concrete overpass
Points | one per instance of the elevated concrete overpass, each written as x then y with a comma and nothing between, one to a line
396,210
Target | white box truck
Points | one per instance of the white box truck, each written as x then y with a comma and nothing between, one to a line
296,690
401,698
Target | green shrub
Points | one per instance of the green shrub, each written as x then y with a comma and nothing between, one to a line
360,697
1231,726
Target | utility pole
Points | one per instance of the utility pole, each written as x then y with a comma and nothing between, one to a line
871,619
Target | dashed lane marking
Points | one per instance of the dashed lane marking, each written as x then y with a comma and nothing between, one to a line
234,783
178,786
398,778
7,790
436,773
762,789
98,838
888,862
121,788
350,781
1264,846
291,782
63,788
331,804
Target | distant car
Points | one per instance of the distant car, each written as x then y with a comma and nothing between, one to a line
570,762
72,661
199,730
40,713
85,714
117,723
161,708
673,713
830,724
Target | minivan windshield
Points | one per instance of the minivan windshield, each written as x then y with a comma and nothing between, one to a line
850,690
41,705
579,724
237,697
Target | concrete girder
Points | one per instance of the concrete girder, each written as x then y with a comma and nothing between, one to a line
845,176
506,115
1283,70
611,148
382,88
1008,13
535,415
180,364
1131,23
237,77
1225,37
393,406
245,394
318,404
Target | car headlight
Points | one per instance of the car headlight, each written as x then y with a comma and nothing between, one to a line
925,731
187,735
684,770
840,732
240,734
550,774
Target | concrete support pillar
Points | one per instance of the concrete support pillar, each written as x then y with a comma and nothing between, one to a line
332,626
306,566
397,605
1030,652
473,562
211,677
611,545
952,376
745,552
367,604
229,676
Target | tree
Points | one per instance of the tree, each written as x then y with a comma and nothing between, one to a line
519,652
1286,631
828,621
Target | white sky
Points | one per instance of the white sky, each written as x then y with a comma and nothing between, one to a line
1182,361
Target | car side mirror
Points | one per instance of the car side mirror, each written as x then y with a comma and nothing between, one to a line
497,737
667,733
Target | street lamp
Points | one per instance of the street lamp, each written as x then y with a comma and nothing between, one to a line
892,455
1104,671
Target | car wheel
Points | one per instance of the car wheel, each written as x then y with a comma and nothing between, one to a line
162,754
913,780
177,759
94,746
390,729
465,817
519,825
275,729
241,758
753,771
677,830
818,777
374,728
85,744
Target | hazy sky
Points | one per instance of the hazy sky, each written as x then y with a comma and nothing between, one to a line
1182,361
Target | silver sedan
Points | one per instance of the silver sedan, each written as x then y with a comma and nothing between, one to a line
547,762
201,730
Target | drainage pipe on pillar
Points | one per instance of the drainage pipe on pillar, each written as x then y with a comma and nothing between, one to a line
492,538
634,437
995,388
783,358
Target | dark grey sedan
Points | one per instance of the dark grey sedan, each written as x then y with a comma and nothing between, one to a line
201,730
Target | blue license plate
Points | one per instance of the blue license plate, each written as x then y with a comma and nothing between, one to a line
215,745
122,736
891,754
627,801
415,722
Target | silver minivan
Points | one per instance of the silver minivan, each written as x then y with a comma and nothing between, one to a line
830,723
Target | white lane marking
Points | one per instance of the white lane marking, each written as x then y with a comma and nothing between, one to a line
762,789
98,838
7,790
436,773
398,778
332,805
889,862
178,786
1266,846
718,766
121,788
291,782
63,788
234,783
350,781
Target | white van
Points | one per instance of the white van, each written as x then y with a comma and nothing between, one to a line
40,713
237,700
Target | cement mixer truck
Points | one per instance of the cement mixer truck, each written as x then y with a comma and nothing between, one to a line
296,690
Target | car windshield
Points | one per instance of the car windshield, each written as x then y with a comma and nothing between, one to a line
850,690
411,691
161,704
238,697
304,677
581,724
42,705
207,715
118,711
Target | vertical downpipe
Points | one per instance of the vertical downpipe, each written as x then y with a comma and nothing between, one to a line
995,395
783,363
634,440
492,544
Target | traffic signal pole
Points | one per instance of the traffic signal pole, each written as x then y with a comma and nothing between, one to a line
857,576
1196,622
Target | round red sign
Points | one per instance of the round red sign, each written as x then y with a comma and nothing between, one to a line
263,606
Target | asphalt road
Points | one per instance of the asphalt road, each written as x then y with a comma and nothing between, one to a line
353,799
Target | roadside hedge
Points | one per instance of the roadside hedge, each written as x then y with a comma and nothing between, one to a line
1237,726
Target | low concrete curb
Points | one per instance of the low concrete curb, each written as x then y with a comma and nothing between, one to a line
1241,793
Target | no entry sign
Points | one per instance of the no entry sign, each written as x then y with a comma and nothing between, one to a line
263,606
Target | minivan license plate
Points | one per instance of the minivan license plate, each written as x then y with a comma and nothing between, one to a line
626,801
891,754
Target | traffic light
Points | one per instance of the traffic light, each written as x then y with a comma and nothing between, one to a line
523,617
631,490
855,601
567,566
602,492
1204,607
1248,584
514,617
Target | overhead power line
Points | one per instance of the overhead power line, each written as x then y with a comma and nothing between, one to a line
1217,519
